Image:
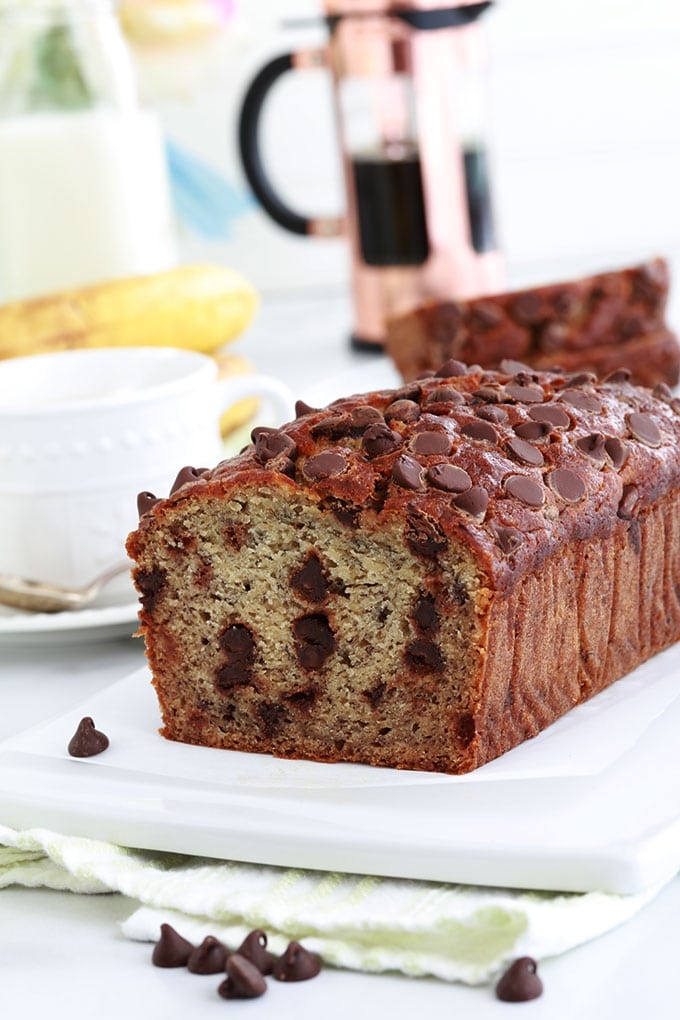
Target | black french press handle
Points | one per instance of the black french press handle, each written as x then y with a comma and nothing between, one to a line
249,146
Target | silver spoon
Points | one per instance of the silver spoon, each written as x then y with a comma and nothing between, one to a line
39,597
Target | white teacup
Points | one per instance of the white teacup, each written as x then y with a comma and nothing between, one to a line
83,432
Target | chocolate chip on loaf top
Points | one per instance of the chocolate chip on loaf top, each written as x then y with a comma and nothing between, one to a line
519,460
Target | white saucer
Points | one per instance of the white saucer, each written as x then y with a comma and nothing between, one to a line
79,626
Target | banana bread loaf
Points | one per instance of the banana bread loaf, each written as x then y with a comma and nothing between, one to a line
420,578
599,323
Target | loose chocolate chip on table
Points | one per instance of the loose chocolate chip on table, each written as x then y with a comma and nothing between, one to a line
552,413
449,478
243,980
186,474
324,465
525,452
172,949
296,964
525,490
431,443
145,500
520,982
482,431
474,501
407,473
87,741
567,485
208,958
644,428
379,439
314,640
254,949
617,451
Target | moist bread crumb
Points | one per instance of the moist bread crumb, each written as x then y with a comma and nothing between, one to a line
418,578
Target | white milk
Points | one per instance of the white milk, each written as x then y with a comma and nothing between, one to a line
84,197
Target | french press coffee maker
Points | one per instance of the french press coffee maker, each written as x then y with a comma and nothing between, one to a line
408,90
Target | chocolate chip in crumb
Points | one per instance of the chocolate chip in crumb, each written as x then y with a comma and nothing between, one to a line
525,490
324,465
87,741
520,982
185,475
479,430
423,655
314,640
474,501
524,452
617,451
243,980
380,439
172,949
449,478
310,580
628,502
643,428
145,501
208,958
567,485
431,443
402,410
425,615
408,473
238,644
296,964
254,949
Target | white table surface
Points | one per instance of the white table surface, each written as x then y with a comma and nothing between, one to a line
64,954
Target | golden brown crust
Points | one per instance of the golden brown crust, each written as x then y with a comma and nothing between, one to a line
419,578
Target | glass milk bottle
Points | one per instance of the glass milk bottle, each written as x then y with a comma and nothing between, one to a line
84,191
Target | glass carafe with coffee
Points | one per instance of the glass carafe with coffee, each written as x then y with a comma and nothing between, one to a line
409,94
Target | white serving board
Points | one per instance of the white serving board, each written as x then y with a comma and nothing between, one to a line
593,803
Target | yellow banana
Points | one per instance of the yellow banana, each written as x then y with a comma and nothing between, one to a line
197,307
242,411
